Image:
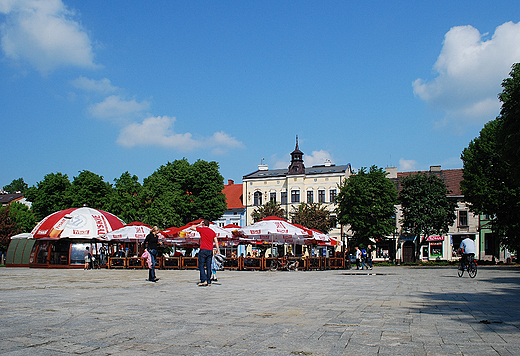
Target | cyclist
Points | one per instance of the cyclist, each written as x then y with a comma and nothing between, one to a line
467,249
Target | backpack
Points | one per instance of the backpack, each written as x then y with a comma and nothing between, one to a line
364,253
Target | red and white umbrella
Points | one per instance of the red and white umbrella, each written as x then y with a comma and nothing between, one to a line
184,236
77,223
132,232
276,230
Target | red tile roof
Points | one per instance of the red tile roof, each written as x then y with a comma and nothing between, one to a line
451,177
233,194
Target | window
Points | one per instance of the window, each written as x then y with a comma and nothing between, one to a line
310,197
321,196
463,218
283,197
333,221
258,198
272,197
295,196
332,193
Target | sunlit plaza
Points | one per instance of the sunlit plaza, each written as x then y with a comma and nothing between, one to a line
385,311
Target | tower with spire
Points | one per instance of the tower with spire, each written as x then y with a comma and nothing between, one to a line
296,166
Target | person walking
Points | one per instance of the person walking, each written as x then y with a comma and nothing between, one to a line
364,259
370,249
207,238
150,244
358,257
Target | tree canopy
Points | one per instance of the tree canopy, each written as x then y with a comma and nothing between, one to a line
366,203
178,193
270,208
126,199
492,166
313,216
17,185
426,207
15,218
49,195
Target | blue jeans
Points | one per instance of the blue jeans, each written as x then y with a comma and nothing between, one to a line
151,272
205,257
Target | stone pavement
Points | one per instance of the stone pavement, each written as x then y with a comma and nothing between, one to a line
394,311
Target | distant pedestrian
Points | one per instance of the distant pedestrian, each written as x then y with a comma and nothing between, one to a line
150,244
358,257
370,249
364,259
88,258
207,239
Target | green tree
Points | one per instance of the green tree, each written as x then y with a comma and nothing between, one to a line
491,167
271,208
49,195
126,201
89,189
15,218
17,185
366,203
178,193
426,207
313,216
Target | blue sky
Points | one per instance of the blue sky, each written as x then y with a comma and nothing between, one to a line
115,86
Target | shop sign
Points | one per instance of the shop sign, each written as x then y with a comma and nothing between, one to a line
435,238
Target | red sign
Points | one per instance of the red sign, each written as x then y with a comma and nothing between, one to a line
435,238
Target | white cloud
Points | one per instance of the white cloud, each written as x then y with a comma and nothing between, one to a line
117,108
470,72
158,131
407,165
318,158
44,34
103,86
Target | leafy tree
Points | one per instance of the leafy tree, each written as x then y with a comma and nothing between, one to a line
126,198
89,189
271,208
313,216
15,218
178,193
492,167
49,195
17,185
509,134
427,210
366,203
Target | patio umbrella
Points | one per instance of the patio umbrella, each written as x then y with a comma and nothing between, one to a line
77,223
132,232
275,230
184,236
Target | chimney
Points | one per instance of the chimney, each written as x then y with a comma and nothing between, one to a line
262,166
392,172
327,163
230,182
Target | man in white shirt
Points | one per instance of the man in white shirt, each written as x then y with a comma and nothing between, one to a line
467,248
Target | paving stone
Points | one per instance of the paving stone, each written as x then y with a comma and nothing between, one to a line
399,311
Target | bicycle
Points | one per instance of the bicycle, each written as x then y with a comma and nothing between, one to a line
283,264
470,266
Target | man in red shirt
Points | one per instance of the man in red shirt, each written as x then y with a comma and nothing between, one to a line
207,238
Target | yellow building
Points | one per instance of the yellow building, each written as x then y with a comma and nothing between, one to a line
294,185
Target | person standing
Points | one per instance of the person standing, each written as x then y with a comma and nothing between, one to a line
369,256
207,238
88,257
150,244
358,257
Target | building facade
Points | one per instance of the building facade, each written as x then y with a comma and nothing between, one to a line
294,185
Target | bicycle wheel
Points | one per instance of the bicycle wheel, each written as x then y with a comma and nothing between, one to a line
460,271
472,271
274,265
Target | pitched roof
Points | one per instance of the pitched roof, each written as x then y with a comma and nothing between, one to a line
233,194
451,177
8,198
308,171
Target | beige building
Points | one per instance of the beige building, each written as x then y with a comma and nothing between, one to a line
294,185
